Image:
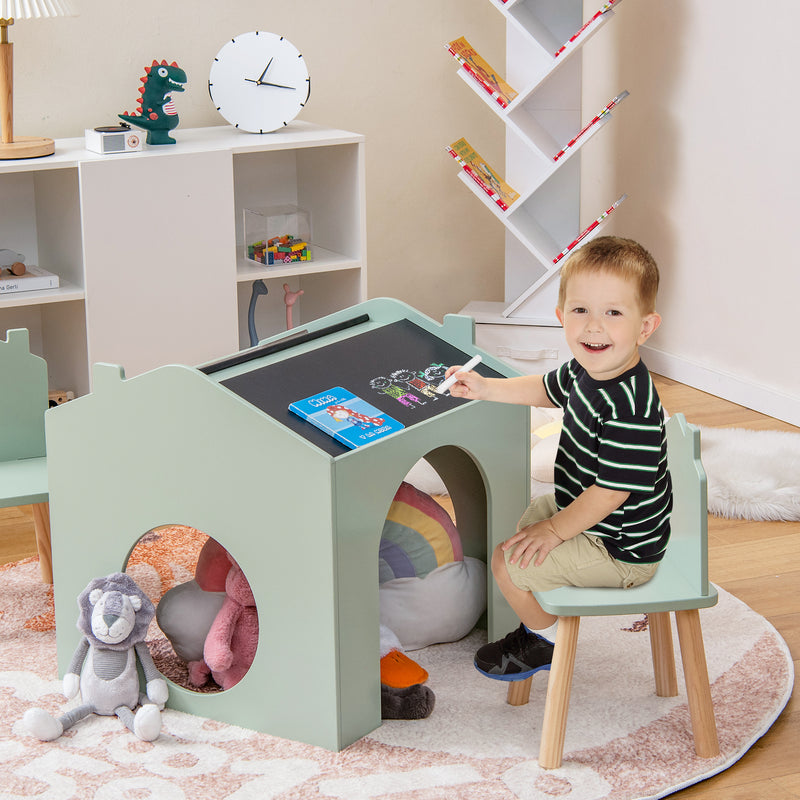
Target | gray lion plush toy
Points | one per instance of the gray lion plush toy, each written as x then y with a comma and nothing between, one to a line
114,616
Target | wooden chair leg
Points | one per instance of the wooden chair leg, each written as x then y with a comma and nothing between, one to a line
698,690
663,654
519,692
41,524
559,685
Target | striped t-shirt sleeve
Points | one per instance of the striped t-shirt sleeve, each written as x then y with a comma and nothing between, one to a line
557,384
629,455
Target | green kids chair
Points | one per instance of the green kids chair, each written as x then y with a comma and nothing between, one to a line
680,585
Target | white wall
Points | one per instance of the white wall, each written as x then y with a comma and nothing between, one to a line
706,147
378,67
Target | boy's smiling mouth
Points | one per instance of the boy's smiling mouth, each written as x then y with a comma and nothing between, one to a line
595,348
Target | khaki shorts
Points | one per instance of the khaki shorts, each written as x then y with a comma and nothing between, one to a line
580,561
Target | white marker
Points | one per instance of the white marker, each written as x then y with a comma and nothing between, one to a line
446,384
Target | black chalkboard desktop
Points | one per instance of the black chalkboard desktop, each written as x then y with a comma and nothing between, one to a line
395,367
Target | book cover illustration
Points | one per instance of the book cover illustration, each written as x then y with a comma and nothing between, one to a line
346,417
487,78
477,168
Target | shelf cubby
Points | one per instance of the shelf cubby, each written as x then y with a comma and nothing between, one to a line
148,245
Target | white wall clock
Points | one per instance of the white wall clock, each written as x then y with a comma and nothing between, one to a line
259,82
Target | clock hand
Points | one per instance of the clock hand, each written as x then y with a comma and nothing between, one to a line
276,85
261,76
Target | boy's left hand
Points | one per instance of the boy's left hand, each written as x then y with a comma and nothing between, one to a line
532,544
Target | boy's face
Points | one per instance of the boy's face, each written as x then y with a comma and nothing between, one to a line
603,323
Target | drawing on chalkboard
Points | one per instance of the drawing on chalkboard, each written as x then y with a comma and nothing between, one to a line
405,385
388,387
413,381
434,373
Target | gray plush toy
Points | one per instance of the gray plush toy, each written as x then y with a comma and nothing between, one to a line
114,616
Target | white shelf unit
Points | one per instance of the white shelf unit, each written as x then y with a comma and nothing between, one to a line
543,117
149,246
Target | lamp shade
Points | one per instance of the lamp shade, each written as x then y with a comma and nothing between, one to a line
33,9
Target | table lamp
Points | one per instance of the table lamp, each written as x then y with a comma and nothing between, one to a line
10,10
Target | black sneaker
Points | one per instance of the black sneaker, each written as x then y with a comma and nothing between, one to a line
514,657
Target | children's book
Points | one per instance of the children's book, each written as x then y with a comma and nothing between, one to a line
345,416
588,27
487,78
589,228
615,101
474,165
33,279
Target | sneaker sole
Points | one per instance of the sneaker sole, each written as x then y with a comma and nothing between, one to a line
516,676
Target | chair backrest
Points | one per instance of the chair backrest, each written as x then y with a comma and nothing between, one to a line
689,522
24,399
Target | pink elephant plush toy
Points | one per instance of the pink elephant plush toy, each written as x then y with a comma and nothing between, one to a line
231,643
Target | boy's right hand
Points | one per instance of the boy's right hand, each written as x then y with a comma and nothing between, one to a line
524,389
469,385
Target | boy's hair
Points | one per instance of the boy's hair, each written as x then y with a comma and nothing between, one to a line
617,256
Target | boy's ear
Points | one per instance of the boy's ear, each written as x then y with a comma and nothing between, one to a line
560,315
650,323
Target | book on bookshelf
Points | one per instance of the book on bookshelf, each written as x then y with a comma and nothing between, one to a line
588,26
588,229
480,172
591,124
486,77
34,278
346,417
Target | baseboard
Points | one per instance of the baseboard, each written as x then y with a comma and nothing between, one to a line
760,398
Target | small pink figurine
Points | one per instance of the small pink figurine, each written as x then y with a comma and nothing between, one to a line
290,298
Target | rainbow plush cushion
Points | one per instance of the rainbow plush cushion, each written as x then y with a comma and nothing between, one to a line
418,536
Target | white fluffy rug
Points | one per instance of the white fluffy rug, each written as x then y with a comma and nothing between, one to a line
751,474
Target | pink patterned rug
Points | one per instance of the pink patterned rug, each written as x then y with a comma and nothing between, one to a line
622,741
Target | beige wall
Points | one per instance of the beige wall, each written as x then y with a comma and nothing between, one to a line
707,148
378,67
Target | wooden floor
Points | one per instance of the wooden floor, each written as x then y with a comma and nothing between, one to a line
759,562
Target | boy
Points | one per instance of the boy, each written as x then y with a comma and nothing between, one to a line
608,523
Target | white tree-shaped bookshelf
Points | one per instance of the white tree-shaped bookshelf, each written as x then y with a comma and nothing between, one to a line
544,138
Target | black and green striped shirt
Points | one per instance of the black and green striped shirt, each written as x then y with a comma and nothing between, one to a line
614,436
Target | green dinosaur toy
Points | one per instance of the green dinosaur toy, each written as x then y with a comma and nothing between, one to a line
156,112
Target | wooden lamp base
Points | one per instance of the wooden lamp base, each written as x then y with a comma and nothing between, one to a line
27,147
15,146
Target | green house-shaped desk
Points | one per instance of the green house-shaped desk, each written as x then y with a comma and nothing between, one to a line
215,448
